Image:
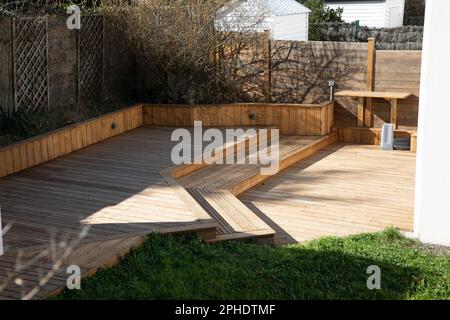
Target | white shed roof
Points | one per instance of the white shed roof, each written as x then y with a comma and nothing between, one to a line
284,7
275,7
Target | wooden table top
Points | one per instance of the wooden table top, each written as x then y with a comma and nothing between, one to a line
373,94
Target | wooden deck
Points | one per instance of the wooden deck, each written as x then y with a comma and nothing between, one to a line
114,187
343,189
124,187
215,188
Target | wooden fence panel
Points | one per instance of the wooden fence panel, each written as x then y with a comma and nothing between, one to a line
398,71
301,70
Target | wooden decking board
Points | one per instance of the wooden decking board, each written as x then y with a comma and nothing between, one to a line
223,226
341,190
217,176
115,186
124,189
215,187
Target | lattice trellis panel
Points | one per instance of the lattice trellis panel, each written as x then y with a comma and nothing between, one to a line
30,63
90,58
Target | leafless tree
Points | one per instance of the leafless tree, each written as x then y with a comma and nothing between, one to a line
189,55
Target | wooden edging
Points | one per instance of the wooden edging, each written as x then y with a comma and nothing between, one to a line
37,150
372,136
205,231
292,119
285,163
186,197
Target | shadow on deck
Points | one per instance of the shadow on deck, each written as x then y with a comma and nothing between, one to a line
116,188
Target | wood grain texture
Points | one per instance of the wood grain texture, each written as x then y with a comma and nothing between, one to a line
338,191
292,119
40,149
395,70
114,186
373,94
215,187
372,136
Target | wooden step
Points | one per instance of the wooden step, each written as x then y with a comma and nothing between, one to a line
292,150
235,220
240,177
213,188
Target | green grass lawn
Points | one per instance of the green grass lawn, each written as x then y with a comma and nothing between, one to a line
165,267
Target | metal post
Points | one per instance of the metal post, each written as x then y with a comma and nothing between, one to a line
356,30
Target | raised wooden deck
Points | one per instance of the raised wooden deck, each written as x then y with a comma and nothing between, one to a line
125,187
114,187
343,189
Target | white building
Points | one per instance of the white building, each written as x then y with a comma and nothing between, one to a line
432,209
286,19
371,13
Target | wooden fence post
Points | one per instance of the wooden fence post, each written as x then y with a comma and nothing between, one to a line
267,66
371,52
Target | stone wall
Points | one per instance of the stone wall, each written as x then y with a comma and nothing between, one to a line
401,38
62,63
6,80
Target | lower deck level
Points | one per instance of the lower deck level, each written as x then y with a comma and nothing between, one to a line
341,190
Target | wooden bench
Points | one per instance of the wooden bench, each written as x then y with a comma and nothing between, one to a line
391,97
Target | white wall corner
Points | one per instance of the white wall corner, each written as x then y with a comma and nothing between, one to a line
432,195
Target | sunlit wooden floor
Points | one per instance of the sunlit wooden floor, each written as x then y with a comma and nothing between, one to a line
113,186
341,190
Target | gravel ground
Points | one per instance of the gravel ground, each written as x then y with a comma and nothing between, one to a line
436,249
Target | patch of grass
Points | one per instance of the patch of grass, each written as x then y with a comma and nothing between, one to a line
165,267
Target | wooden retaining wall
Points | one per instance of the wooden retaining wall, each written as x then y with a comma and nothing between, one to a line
293,119
372,136
48,146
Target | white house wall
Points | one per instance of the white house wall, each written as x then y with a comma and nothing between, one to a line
291,27
370,14
432,207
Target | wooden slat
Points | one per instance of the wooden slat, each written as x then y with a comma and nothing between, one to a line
394,106
373,94
312,198
360,111
293,119
370,136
